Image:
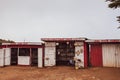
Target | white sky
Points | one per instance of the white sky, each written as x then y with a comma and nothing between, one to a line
31,20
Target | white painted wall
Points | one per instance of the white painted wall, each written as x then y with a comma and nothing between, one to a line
50,55
40,58
1,58
23,60
7,57
50,60
50,44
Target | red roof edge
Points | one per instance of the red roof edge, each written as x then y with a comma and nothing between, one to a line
23,43
104,40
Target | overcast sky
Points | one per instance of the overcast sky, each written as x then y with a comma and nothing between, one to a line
31,20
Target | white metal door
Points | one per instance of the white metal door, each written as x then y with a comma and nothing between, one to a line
111,55
117,55
50,56
7,57
40,57
1,58
108,51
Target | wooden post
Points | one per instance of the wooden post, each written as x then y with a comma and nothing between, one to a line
17,55
30,57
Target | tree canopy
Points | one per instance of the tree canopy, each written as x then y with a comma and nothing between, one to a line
5,41
115,4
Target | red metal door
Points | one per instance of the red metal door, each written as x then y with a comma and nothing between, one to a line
96,55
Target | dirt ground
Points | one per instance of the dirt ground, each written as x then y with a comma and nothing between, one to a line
58,73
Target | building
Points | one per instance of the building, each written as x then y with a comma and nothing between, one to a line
22,53
62,51
104,53
59,51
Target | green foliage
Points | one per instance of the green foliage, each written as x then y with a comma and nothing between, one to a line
115,4
5,41
118,19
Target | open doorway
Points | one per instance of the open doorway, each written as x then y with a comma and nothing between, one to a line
14,56
34,56
65,52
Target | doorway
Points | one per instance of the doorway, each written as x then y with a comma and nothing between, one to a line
34,56
95,55
65,52
111,55
14,56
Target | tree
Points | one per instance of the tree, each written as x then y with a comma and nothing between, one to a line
5,41
115,4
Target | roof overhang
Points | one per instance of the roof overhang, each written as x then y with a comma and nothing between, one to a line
103,41
62,39
23,43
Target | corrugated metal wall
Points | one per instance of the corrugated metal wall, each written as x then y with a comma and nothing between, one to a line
108,55
96,55
111,55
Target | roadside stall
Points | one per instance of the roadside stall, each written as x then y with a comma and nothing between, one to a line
23,53
63,51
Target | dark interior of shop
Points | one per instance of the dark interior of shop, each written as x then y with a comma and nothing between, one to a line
24,52
65,53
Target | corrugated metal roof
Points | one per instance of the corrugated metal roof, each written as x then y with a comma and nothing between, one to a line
104,40
63,39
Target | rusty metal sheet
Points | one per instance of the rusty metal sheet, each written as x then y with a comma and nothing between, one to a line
78,43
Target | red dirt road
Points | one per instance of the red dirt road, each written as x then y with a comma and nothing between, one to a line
58,73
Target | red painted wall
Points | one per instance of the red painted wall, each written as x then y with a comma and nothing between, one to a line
85,55
96,55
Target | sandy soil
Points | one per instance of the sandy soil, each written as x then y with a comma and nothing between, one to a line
58,73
